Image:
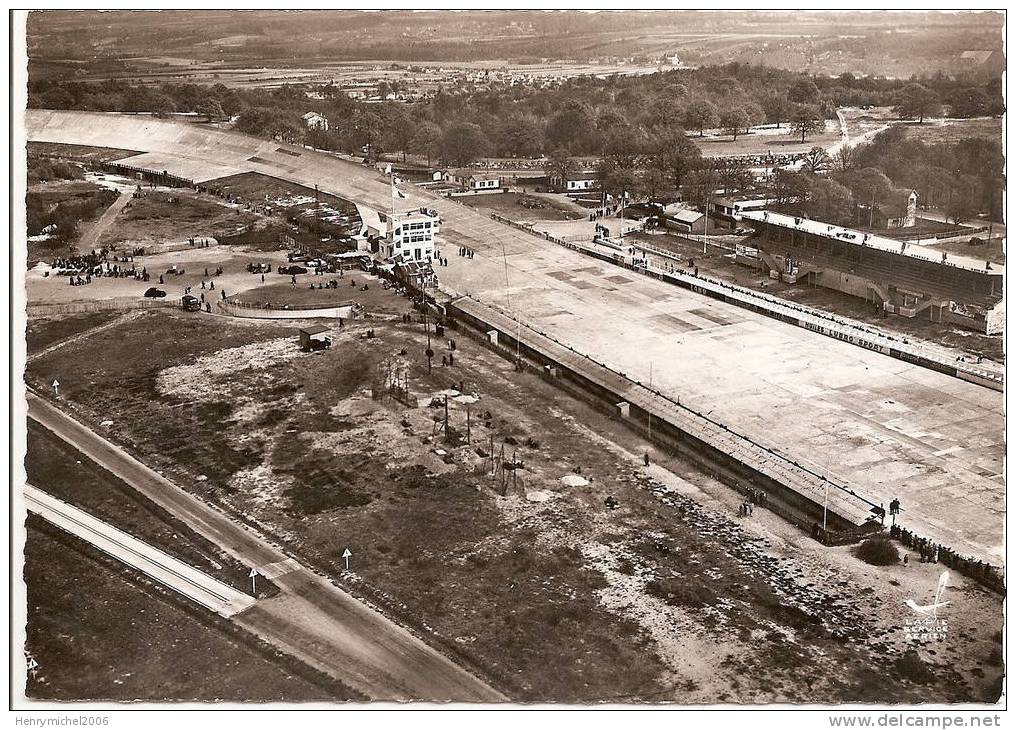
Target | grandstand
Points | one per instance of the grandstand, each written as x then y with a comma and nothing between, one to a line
902,278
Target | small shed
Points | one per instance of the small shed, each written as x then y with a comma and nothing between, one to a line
314,333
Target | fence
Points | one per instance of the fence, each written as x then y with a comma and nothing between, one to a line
159,178
97,305
348,310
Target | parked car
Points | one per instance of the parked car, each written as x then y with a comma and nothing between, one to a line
191,304
292,270
316,345
154,293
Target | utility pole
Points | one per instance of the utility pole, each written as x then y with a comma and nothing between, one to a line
446,416
426,324
650,393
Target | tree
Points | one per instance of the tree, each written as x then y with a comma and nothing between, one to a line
963,199
969,102
462,143
829,201
520,137
817,160
398,128
625,148
806,120
787,186
653,183
617,181
427,140
915,101
560,164
755,115
733,120
804,92
210,109
700,115
674,154
867,184
161,105
777,109
844,159
700,186
572,127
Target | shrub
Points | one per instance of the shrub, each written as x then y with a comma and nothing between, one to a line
910,666
878,551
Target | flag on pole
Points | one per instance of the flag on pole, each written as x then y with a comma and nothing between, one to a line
396,193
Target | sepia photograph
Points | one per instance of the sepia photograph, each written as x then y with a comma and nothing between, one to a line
509,358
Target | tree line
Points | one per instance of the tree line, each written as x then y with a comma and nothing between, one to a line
584,115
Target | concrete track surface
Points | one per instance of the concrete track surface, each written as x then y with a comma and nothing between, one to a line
311,618
200,587
887,427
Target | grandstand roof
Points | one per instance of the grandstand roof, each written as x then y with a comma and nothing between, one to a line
869,240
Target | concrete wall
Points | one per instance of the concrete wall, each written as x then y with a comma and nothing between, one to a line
348,311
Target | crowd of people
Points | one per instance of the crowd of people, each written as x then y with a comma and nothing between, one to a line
932,552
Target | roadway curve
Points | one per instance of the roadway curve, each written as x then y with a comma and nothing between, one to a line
311,618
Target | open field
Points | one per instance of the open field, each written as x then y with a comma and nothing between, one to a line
100,631
279,291
172,216
58,469
507,204
43,332
666,598
952,130
765,140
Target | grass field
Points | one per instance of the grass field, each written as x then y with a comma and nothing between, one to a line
778,142
507,204
101,631
163,216
278,290
660,599
45,331
953,130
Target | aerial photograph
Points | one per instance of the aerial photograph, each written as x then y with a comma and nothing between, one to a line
504,358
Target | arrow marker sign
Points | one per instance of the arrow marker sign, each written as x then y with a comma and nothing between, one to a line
347,555
253,581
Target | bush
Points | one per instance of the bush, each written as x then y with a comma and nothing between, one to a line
878,551
910,666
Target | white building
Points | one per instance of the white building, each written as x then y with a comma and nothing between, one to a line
574,182
407,237
313,120
475,181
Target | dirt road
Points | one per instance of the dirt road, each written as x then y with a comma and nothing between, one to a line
311,618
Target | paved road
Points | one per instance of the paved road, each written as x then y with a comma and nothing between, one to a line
311,618
200,587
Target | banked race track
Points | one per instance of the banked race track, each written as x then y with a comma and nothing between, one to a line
886,427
